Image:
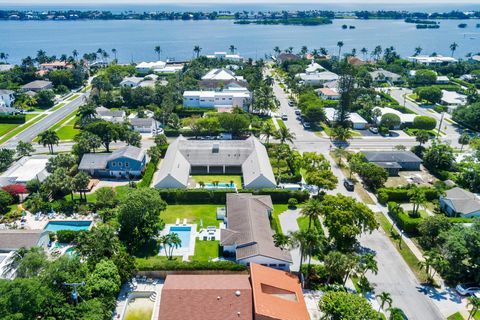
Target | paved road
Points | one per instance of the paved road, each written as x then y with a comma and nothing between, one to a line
52,118
394,275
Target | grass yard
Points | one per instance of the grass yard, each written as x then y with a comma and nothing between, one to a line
75,96
6,127
68,130
58,106
20,128
193,213
404,250
237,179
205,250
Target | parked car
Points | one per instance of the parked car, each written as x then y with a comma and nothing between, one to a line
291,103
468,288
373,130
284,117
306,125
349,185
298,112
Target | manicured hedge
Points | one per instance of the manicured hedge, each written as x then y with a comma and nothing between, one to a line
403,220
204,196
188,112
148,174
401,194
11,118
174,265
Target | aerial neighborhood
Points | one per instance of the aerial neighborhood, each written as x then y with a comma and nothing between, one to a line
305,184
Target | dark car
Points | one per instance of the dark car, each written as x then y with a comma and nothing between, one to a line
349,185
306,125
291,103
298,112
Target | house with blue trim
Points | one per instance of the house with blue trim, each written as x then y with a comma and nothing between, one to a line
123,163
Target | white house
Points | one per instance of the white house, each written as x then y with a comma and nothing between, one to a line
248,234
317,78
460,202
26,169
382,75
427,60
6,97
143,125
147,67
358,123
225,56
452,100
229,98
222,75
442,80
131,82
115,116
405,118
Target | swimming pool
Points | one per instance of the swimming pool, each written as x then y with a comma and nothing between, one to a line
139,306
54,226
221,185
183,233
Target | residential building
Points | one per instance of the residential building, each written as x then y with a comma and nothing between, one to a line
26,169
394,161
225,56
436,60
143,125
356,61
331,84
405,118
317,78
219,79
123,163
313,68
358,123
37,85
55,65
14,239
227,99
382,75
248,234
7,110
115,116
328,94
442,80
147,67
185,157
131,82
277,295
6,67
206,297
458,202
475,58
453,99
284,57
6,97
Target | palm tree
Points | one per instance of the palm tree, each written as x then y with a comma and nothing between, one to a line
4,56
385,298
304,50
285,135
341,134
75,54
232,49
474,302
417,198
114,51
298,240
281,241
85,113
174,243
368,263
277,50
339,45
48,138
323,51
418,50
158,51
312,210
268,130
464,139
196,50
422,136
14,262
364,51
105,55
453,47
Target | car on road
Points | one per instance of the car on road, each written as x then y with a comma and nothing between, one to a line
298,112
466,289
373,130
348,184
284,117
291,103
306,125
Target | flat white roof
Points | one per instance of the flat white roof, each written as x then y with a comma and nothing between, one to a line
404,117
354,117
26,169
213,94
452,97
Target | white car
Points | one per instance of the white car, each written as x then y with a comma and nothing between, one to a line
468,289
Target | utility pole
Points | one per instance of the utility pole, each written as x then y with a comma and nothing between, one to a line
440,126
74,285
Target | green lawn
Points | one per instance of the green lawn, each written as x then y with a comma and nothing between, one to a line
75,96
278,209
193,213
6,127
455,316
302,223
58,106
237,179
68,130
18,129
281,123
205,250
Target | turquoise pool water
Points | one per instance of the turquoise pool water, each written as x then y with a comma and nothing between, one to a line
221,185
183,233
54,226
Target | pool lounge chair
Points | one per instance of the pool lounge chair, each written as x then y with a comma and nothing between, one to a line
177,222
185,221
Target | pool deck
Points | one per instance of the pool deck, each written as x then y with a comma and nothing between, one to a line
184,252
33,224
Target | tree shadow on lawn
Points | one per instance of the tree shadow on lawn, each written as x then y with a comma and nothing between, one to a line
150,249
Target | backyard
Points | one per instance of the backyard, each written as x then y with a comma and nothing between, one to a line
193,213
237,179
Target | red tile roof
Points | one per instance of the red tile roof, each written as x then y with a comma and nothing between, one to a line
206,297
277,295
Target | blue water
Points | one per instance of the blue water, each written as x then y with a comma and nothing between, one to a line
135,40
55,226
184,235
221,185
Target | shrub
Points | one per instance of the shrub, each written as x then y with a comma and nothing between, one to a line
175,265
67,236
12,118
390,121
424,123
148,174
400,194
5,200
292,202
403,220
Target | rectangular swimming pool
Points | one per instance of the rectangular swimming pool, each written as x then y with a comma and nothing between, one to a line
183,233
54,226
221,185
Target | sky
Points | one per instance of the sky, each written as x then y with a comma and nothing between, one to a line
237,2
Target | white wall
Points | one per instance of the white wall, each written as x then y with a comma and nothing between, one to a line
265,261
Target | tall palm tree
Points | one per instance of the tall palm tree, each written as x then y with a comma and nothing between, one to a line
197,50
75,54
105,55
277,50
418,50
364,51
85,113
48,138
114,51
304,50
474,302
4,56
368,263
158,51
312,210
422,136
453,47
341,134
385,298
285,135
464,139
298,240
323,51
268,130
174,243
232,49
339,45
